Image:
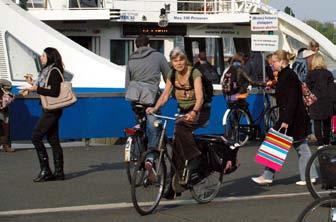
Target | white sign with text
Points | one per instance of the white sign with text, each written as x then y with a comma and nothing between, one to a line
265,43
264,23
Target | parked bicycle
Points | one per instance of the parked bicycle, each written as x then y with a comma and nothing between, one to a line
323,190
238,123
203,182
321,159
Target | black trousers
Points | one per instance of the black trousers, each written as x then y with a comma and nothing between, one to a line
48,125
322,130
185,147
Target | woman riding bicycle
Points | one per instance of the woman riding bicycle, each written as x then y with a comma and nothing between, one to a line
190,103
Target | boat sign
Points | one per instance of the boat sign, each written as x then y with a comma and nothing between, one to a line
265,43
264,23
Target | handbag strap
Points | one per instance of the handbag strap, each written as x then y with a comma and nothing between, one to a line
283,128
59,71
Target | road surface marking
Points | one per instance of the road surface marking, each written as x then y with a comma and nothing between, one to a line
127,205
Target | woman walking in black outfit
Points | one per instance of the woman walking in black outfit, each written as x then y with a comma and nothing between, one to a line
292,116
320,81
48,124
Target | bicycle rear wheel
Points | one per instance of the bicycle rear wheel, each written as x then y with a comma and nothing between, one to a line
135,148
321,187
207,189
147,188
322,209
237,126
271,117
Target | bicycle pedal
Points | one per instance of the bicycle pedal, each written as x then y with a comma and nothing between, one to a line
177,187
185,177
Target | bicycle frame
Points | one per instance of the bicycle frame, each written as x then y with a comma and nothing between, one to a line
267,107
162,148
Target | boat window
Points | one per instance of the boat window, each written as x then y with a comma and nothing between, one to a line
120,51
157,45
35,3
22,60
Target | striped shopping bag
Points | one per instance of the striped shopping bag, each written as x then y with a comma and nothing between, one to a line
273,151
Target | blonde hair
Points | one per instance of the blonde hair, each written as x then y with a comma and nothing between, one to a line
283,55
318,62
314,45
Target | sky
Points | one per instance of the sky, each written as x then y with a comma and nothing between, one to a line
321,10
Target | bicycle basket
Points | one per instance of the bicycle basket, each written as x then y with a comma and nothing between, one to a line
218,153
327,161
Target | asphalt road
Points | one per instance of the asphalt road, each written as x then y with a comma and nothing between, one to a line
96,189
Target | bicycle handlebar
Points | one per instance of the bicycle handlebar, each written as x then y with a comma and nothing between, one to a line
167,117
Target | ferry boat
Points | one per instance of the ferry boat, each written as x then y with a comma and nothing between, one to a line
96,37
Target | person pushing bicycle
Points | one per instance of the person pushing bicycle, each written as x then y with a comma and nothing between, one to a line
235,81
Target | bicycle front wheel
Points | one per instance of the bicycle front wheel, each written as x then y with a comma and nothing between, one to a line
148,183
322,209
237,126
324,184
207,189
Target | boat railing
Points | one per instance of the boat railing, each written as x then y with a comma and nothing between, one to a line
174,6
63,4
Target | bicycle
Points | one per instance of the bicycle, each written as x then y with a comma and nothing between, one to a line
318,186
323,208
136,140
203,182
238,123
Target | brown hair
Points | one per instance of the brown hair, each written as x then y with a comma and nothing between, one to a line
318,62
202,56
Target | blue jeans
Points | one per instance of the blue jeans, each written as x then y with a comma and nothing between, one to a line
153,133
304,154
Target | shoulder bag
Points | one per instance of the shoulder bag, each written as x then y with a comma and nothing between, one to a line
64,99
308,97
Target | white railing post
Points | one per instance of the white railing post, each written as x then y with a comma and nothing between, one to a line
205,6
216,6
233,6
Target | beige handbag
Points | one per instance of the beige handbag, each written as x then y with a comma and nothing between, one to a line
65,98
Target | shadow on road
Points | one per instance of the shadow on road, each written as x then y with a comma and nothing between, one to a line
246,187
96,168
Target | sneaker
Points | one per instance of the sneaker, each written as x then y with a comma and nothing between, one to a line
151,174
7,148
261,180
303,182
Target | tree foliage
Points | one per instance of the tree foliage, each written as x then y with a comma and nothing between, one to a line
289,11
327,29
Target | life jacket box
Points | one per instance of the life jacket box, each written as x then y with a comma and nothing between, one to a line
327,162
